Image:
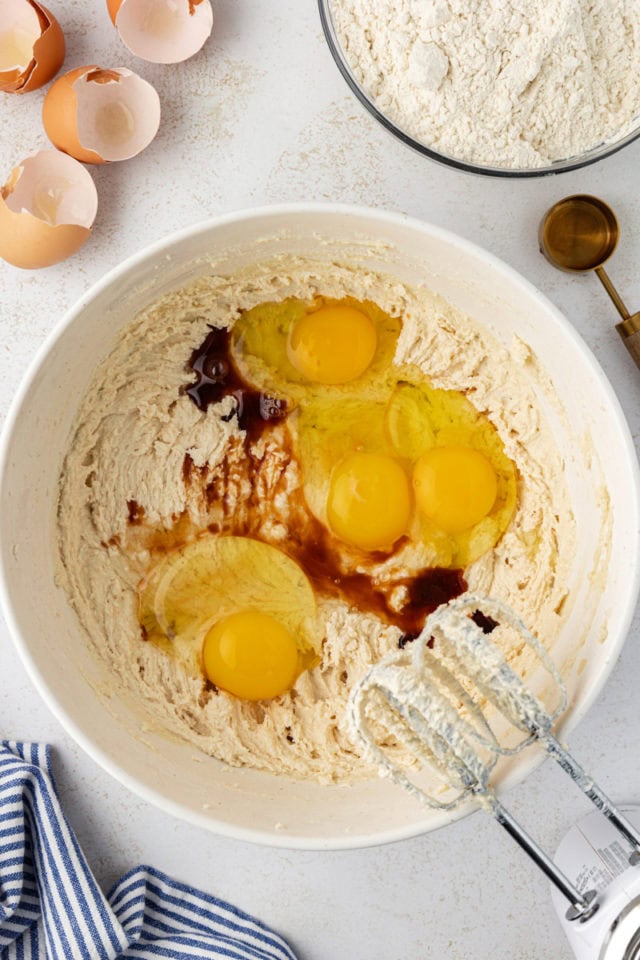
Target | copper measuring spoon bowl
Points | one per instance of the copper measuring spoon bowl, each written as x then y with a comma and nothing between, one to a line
578,234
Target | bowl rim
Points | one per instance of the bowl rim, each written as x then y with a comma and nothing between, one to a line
11,425
593,155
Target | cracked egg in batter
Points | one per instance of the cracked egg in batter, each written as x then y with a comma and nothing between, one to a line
274,476
386,465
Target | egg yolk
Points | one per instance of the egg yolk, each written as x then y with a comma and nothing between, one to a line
332,344
369,501
251,655
456,487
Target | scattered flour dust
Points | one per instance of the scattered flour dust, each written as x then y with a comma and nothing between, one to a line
505,83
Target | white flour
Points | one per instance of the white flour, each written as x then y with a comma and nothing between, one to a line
506,83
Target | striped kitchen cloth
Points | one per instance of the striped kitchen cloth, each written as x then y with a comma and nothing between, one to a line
51,907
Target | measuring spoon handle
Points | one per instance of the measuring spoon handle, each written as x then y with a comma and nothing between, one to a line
605,280
629,331
629,326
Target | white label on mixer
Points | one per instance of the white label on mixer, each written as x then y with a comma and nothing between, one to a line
593,854
598,875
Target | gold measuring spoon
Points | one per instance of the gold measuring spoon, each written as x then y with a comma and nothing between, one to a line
579,234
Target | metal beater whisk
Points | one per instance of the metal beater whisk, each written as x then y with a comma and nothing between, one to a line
452,710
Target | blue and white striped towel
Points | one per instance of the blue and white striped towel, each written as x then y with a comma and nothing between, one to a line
51,907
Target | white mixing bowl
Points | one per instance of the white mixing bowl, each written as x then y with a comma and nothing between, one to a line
245,803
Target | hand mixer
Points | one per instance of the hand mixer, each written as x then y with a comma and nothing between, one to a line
440,708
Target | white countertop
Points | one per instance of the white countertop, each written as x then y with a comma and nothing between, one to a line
262,116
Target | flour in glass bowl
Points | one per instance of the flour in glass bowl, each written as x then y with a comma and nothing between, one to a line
502,83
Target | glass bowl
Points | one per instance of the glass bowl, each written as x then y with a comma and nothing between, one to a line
596,153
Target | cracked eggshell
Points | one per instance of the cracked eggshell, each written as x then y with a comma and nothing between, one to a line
32,46
47,208
162,31
98,116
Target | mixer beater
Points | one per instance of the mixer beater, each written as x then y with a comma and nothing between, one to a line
452,704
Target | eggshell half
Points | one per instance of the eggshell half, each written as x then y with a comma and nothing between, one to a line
113,6
98,116
47,209
32,46
162,31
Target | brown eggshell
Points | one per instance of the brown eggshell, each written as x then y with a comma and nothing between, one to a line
98,116
48,56
113,6
31,244
59,113
188,36
9,80
31,240
48,53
